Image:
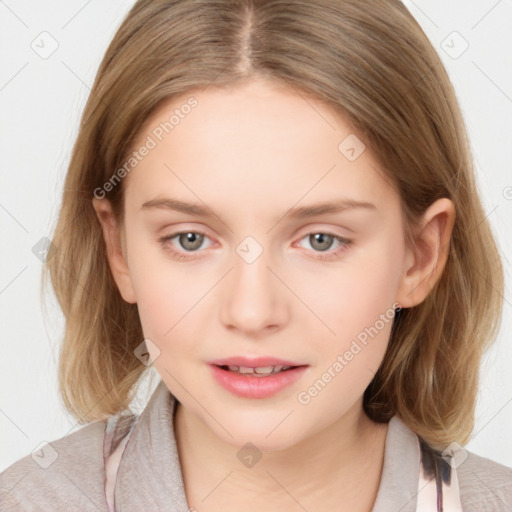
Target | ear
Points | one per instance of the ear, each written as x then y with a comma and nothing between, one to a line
116,252
425,262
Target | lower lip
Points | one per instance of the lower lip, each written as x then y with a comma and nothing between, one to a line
248,386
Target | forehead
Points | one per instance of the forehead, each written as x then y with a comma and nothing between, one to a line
253,144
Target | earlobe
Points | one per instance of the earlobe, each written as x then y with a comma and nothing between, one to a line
425,262
115,253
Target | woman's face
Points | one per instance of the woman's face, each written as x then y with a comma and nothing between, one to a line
270,277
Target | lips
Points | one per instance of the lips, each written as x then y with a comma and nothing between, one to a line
255,362
256,377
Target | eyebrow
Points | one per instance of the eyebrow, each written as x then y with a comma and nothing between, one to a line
300,212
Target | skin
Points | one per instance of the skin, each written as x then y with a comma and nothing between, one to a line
250,153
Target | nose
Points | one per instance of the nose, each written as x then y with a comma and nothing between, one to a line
254,299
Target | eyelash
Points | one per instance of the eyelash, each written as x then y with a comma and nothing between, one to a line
181,256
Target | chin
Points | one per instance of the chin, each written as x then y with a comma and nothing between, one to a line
268,432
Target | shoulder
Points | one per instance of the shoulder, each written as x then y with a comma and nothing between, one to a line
484,484
65,474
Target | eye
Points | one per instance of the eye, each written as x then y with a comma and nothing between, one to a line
189,241
322,242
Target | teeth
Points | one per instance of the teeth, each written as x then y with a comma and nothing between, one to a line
268,369
245,369
262,370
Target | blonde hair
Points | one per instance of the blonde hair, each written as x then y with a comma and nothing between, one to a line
372,63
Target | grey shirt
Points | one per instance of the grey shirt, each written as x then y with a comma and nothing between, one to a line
69,474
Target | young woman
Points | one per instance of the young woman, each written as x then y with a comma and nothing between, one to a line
272,203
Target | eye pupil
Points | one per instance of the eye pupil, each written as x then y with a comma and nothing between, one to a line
191,238
321,239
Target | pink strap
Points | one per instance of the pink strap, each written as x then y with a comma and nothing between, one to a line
117,434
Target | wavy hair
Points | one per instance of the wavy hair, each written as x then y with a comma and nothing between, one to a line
372,63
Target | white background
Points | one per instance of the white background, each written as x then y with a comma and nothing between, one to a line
40,103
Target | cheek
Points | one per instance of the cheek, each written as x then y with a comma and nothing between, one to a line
163,289
359,307
356,294
165,303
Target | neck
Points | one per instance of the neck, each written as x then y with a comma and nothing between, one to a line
338,468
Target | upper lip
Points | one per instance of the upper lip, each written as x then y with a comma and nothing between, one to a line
254,362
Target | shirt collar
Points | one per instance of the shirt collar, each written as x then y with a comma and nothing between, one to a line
398,486
150,476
